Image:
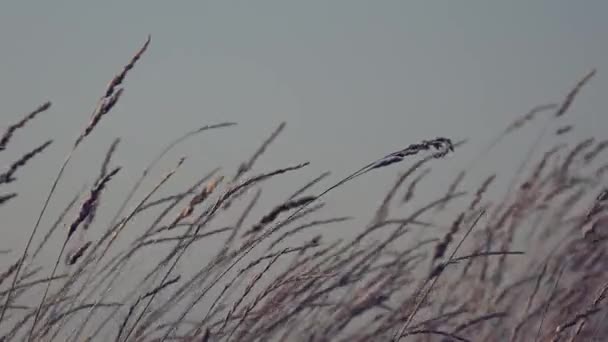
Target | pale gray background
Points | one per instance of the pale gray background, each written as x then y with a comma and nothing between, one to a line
353,79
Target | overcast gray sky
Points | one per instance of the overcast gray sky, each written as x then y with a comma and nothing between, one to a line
353,79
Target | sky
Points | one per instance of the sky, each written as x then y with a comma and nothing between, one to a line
353,80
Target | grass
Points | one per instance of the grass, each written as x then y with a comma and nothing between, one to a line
280,277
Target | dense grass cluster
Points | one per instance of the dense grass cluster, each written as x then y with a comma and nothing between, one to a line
463,280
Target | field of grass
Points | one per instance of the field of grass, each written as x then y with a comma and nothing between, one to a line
463,280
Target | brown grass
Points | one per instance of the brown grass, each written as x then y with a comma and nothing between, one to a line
469,264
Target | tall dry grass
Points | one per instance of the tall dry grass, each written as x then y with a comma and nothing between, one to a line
280,277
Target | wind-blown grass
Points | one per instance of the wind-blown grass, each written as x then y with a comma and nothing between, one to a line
528,265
